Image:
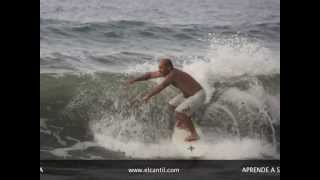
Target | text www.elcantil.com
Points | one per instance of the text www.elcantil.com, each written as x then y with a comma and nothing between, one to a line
154,170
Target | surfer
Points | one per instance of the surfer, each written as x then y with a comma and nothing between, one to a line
192,95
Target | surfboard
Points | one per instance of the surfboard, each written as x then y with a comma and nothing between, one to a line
192,149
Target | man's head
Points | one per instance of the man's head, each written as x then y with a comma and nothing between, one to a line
165,66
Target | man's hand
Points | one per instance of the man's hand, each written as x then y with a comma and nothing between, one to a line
146,98
131,81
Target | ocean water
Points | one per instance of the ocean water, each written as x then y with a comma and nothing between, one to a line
88,49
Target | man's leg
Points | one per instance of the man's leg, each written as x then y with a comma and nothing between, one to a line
178,123
187,124
173,103
186,109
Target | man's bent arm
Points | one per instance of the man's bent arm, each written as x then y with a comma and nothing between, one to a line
161,86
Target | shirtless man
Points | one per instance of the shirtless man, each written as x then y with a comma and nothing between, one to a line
185,104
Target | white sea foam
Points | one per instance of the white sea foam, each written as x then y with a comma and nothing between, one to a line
226,58
228,148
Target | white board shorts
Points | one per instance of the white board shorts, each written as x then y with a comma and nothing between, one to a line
190,104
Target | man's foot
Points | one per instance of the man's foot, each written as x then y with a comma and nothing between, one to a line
192,137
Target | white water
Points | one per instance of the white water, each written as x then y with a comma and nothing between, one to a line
214,145
226,58
229,148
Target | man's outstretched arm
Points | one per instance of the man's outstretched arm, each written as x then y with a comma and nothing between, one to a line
146,76
159,88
